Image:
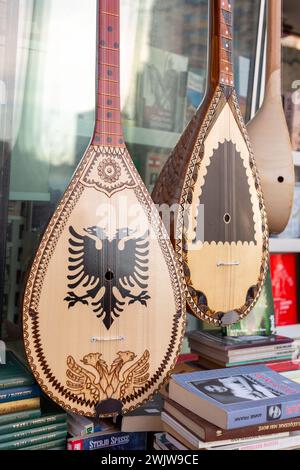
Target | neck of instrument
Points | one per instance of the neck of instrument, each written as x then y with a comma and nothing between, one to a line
274,39
108,129
221,43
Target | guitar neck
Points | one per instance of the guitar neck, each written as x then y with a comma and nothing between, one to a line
221,43
108,129
274,37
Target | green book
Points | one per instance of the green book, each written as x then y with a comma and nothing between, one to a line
36,422
34,440
58,444
19,417
26,433
14,373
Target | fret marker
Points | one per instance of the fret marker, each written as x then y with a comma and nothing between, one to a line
109,29
109,102
121,141
116,45
109,140
109,73
109,115
102,42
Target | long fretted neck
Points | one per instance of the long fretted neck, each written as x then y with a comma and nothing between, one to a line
274,41
108,129
221,43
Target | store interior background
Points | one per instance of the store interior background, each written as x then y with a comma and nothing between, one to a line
47,94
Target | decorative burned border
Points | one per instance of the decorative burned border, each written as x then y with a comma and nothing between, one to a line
36,278
203,312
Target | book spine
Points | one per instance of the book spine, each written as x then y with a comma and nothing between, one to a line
32,423
263,430
17,444
16,382
24,434
264,414
271,444
18,393
57,444
19,405
115,441
19,417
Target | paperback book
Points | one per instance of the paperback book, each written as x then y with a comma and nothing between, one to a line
239,397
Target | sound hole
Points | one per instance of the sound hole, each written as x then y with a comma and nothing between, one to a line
227,218
109,276
280,179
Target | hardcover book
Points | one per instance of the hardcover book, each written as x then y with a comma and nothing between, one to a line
237,397
21,416
33,440
112,441
13,373
28,433
32,422
19,405
19,393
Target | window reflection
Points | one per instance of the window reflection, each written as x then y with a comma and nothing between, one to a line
163,79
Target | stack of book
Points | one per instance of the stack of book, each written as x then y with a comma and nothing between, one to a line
128,432
105,436
247,408
27,420
217,351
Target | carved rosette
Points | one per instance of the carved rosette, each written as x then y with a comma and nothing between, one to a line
108,171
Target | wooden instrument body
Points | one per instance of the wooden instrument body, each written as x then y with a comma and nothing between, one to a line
225,261
104,310
270,136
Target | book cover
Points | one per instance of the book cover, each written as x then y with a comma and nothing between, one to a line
208,432
40,421
237,397
112,441
19,405
27,433
19,393
14,373
21,416
283,271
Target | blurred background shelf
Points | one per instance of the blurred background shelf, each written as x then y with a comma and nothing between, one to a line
296,158
282,245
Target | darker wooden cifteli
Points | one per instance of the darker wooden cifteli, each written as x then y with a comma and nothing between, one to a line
220,229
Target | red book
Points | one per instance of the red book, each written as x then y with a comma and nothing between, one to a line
283,274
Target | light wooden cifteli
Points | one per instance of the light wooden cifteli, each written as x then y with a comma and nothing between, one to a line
104,307
224,250
270,136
